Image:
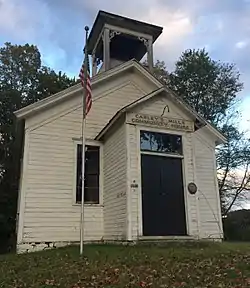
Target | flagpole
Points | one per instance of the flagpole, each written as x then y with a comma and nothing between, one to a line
83,138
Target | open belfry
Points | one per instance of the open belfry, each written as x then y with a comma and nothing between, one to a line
114,40
150,167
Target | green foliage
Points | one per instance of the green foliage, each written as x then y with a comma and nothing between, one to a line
237,226
210,87
23,80
167,265
160,71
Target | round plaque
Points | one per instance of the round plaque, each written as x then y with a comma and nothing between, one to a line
192,188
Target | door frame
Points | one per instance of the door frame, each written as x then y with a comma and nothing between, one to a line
184,173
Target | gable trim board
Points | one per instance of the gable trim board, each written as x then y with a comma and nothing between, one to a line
63,95
95,81
202,122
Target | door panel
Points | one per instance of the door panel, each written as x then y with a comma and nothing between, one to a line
163,204
150,195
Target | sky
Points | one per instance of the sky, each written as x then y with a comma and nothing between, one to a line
57,28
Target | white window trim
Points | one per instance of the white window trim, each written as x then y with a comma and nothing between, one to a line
91,143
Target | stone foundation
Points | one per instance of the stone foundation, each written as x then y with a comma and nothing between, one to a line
40,246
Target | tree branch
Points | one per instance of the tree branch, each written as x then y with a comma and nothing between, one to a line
239,190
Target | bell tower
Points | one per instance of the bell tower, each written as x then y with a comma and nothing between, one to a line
115,39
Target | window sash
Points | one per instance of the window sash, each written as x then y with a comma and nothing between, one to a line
160,143
92,174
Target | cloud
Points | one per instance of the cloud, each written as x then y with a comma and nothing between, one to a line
12,17
241,44
217,25
24,21
36,22
57,27
177,24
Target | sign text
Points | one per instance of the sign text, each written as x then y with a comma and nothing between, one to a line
163,122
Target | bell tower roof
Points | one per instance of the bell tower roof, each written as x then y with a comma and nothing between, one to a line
120,38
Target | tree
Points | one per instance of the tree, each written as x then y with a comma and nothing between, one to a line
233,161
237,225
160,71
210,87
23,80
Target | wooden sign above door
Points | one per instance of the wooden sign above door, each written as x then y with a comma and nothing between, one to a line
161,122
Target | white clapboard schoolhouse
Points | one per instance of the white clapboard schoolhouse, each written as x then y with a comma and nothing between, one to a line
150,169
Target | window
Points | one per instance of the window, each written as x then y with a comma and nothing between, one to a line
161,142
92,174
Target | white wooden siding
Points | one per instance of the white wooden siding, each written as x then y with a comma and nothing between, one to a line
208,194
107,100
134,175
115,185
47,210
61,222
189,176
50,171
155,107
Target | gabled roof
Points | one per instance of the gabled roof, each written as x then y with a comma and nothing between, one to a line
96,80
133,64
199,121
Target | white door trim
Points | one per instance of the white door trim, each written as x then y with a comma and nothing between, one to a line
184,171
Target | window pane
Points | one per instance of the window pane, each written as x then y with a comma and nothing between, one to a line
91,195
161,142
92,158
92,171
92,181
79,174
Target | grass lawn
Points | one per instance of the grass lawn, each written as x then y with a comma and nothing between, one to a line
167,265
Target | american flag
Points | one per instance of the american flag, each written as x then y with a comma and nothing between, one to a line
82,78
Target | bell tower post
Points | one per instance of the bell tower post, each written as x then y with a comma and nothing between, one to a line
115,39
106,48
